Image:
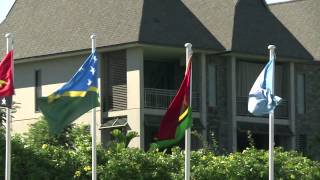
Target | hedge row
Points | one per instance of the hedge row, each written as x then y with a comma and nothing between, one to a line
40,156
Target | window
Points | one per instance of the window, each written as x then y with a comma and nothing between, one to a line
37,88
163,74
247,73
300,94
212,85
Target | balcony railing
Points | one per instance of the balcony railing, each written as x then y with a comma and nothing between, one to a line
161,98
281,111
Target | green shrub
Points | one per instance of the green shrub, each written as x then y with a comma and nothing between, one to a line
38,155
253,164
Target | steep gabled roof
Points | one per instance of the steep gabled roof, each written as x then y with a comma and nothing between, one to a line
171,22
243,26
48,27
217,16
255,27
302,19
249,26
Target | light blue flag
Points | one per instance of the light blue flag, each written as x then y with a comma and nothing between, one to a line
261,101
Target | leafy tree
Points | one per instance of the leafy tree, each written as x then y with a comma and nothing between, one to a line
38,135
122,140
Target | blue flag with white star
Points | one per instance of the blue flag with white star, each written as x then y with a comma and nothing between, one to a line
76,97
261,100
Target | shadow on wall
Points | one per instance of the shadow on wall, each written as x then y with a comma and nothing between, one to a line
255,27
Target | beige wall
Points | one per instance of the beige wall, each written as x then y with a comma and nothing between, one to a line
54,73
135,93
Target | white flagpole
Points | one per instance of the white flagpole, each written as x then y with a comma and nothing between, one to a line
93,124
271,120
8,122
188,131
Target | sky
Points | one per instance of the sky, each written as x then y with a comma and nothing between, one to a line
5,6
275,1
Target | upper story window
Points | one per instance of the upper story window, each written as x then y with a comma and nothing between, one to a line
163,74
37,88
248,71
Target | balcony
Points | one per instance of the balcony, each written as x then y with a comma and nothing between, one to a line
281,111
161,99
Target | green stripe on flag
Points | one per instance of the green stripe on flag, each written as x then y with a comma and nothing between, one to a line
180,132
64,110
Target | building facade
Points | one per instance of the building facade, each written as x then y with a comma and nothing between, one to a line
140,45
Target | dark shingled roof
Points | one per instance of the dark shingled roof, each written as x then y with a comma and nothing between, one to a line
255,28
244,26
302,19
55,26
170,22
248,26
49,27
217,16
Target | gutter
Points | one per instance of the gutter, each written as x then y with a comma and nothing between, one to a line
104,49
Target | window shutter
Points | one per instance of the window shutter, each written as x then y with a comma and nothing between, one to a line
117,85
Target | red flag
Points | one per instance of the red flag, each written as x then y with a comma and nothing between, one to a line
178,116
6,76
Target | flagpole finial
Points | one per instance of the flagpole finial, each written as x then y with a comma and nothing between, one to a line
188,51
93,42
188,45
93,36
271,47
8,35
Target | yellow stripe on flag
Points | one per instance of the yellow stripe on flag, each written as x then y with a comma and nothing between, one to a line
183,115
2,82
53,97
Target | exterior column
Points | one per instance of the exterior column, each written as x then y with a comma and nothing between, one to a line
232,105
135,93
203,111
292,108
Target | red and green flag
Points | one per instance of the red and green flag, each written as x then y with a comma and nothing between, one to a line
178,117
